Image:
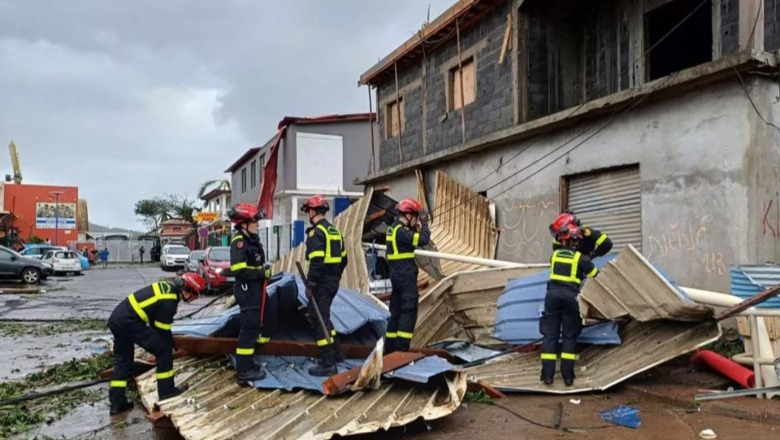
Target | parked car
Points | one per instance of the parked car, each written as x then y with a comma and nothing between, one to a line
37,250
174,256
63,261
193,261
215,267
28,270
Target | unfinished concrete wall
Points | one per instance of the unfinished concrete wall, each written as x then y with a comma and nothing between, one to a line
762,168
771,24
690,150
429,125
729,26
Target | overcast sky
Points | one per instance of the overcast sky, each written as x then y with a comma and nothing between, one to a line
130,99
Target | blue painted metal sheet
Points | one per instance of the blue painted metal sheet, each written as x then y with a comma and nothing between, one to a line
750,280
465,350
521,304
351,313
422,370
292,372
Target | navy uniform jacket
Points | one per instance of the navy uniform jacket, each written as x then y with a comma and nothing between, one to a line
326,253
568,268
154,305
402,241
593,244
247,259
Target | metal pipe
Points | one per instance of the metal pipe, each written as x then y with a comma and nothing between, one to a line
723,300
466,259
754,342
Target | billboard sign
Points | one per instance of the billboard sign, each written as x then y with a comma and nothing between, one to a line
46,217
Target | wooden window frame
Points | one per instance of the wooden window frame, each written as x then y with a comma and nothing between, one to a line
453,87
391,114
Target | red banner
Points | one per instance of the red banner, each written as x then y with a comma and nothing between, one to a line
266,202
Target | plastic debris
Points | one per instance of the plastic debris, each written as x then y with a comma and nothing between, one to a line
575,401
622,415
707,433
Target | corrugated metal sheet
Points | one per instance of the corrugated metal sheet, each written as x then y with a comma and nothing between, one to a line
519,307
350,312
215,408
423,370
630,287
465,350
463,306
612,202
645,345
461,224
750,280
292,372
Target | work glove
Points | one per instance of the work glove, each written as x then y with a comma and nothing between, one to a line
424,217
267,270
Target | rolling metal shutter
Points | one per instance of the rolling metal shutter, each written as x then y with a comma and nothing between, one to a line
610,202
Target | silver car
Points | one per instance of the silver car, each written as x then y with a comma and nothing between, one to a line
193,261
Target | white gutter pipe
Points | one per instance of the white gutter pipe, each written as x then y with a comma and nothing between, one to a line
466,259
723,300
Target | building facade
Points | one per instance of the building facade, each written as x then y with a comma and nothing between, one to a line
43,211
656,121
322,155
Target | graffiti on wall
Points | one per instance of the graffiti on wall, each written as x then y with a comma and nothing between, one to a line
524,225
689,241
770,225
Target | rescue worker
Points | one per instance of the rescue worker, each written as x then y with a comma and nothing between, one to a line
327,257
407,233
593,243
145,318
248,266
568,268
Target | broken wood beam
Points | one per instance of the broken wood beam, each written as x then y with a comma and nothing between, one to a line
213,346
475,387
340,382
748,303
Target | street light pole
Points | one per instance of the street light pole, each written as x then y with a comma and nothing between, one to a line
56,195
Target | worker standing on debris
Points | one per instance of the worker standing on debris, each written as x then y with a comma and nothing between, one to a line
145,318
327,257
247,264
407,233
593,243
568,268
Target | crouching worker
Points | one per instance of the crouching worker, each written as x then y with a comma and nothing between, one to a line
561,316
145,318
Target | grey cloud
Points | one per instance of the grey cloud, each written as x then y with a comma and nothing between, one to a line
131,99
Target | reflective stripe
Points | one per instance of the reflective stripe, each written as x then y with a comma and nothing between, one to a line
162,290
237,237
561,256
262,340
333,332
243,265
138,309
601,239
323,342
395,255
162,325
391,335
118,384
245,351
416,239
549,356
569,356
556,243
331,235
593,273
165,375
405,335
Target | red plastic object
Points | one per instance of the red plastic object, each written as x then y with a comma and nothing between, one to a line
726,367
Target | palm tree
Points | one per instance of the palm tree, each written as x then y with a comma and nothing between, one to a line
209,185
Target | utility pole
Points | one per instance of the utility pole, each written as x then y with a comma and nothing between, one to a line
56,195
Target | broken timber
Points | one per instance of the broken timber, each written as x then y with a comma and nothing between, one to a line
748,303
340,382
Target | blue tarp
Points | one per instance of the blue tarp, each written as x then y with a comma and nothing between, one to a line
421,371
622,415
292,372
521,304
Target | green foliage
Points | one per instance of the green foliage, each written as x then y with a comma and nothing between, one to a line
479,397
728,345
14,329
34,239
156,210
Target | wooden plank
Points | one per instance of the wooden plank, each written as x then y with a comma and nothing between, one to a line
340,382
480,385
507,39
748,303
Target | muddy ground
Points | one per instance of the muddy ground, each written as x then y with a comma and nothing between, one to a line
41,330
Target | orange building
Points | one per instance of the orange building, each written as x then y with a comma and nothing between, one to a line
34,209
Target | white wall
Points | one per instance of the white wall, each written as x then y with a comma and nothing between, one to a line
320,163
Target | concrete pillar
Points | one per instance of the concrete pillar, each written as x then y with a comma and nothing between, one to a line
751,25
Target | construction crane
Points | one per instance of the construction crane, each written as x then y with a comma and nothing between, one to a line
15,162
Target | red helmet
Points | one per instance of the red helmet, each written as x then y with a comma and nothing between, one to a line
409,205
317,202
562,220
245,213
193,282
569,232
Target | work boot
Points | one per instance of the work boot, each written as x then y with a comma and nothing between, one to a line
323,369
338,354
119,407
547,380
172,393
568,381
548,371
251,375
567,371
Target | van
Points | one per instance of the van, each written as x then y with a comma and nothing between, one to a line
174,256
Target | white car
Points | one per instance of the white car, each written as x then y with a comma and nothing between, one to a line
174,256
62,261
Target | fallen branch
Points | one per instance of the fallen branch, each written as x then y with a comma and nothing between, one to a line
33,396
